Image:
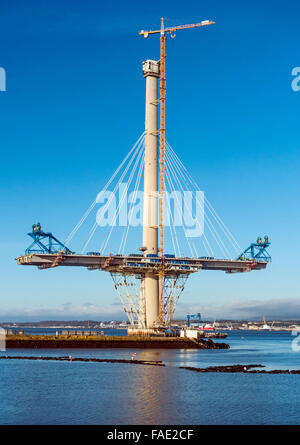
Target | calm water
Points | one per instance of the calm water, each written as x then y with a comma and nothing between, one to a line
39,392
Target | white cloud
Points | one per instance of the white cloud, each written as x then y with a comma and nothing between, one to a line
284,308
65,311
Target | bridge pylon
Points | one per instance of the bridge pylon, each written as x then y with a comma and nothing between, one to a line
149,292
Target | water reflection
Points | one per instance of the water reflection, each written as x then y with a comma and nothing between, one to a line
107,393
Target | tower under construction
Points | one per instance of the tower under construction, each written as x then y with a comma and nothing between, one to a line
149,283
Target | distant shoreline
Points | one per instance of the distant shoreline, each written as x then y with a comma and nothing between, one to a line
283,326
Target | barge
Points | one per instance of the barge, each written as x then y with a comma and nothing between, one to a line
133,342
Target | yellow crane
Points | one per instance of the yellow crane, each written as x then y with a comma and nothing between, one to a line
162,137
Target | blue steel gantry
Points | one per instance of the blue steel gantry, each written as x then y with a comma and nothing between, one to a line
193,318
257,251
44,242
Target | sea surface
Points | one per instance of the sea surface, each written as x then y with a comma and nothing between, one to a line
77,393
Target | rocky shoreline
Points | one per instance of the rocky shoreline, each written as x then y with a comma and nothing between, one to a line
80,359
241,368
247,369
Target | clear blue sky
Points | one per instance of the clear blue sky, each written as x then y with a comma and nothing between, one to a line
74,105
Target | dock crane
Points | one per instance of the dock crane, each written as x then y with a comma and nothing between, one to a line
193,318
162,131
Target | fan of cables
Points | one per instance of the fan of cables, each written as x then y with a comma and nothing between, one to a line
185,206
128,173
210,236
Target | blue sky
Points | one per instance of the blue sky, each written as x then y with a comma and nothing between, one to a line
74,106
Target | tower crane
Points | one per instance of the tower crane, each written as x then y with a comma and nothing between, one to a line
162,131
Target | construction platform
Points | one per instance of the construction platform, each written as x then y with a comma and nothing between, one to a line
138,265
66,342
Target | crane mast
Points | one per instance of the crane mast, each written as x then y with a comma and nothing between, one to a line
162,144
162,138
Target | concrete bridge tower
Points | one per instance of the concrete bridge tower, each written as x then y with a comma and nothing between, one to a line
149,298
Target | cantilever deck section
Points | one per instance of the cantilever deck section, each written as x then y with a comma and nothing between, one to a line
137,265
